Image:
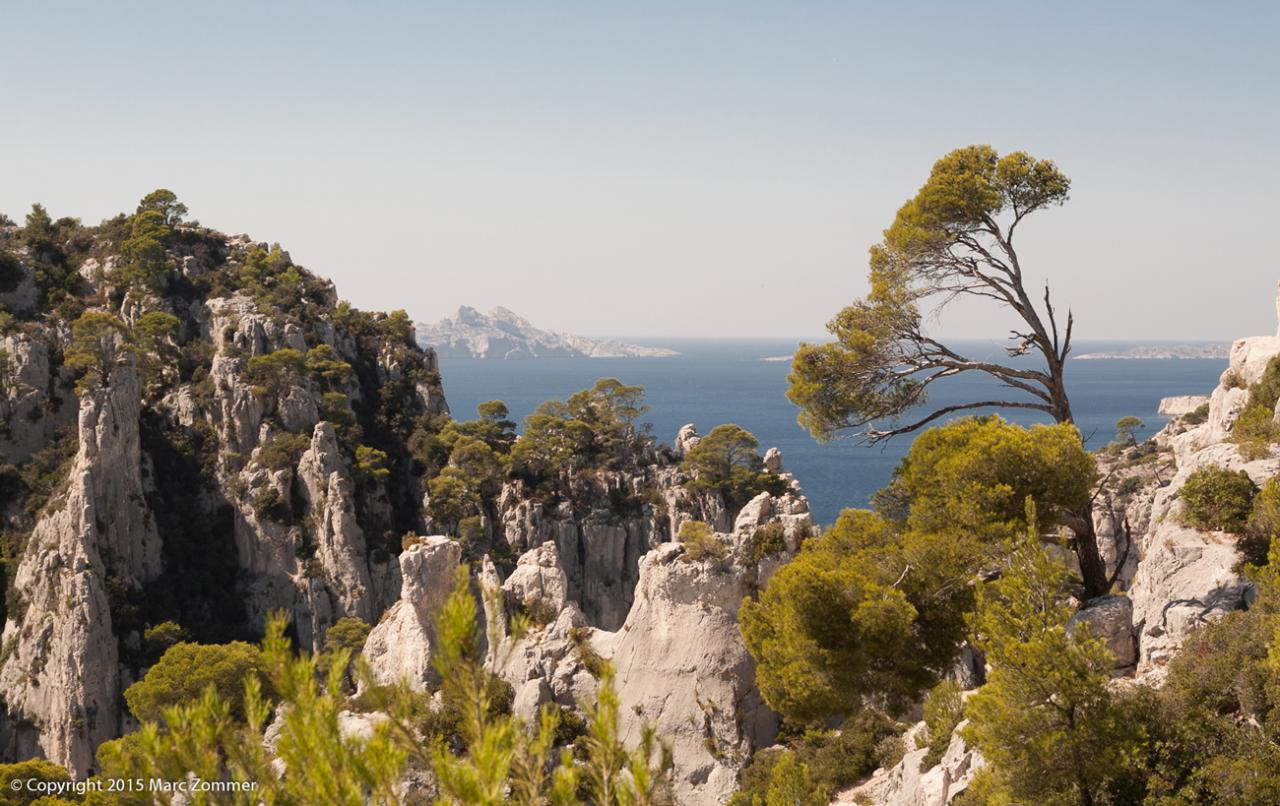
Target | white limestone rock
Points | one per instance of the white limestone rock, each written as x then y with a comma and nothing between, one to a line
400,646
61,677
906,784
682,666
1111,619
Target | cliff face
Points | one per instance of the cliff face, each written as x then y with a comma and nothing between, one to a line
224,439
241,447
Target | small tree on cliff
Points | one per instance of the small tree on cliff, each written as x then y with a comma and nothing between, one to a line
953,240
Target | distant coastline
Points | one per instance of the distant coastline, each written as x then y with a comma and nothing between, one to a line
1162,351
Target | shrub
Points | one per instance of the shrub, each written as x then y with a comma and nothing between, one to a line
1263,525
1232,380
1197,416
186,670
371,463
283,450
157,640
35,769
1254,432
727,461
700,542
1218,499
580,637
889,751
269,505
768,540
943,711
1266,391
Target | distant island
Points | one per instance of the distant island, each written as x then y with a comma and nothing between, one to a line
1167,351
504,334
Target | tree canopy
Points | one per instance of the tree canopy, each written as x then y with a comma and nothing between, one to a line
953,239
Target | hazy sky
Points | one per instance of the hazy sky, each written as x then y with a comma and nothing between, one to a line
663,169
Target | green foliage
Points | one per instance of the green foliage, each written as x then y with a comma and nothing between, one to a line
324,365
863,614
146,261
166,203
594,429
1264,524
215,740
727,461
700,542
1127,430
1045,720
153,339
31,770
186,670
1266,391
1255,431
835,759
99,344
1217,499
767,541
371,464
946,241
158,639
283,450
343,641
943,711
274,373
1198,415
974,475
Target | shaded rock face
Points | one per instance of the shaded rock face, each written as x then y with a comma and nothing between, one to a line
61,676
195,460
599,547
34,398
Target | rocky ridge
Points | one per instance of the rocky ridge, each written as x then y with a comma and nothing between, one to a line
503,334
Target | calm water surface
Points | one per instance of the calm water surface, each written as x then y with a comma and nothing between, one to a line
724,381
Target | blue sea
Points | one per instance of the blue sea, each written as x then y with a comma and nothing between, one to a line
725,381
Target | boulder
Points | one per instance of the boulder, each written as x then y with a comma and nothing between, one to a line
1111,619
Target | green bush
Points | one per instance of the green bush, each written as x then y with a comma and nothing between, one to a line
283,450
36,769
1199,415
727,461
1264,524
700,542
186,670
768,540
1266,391
1254,432
1218,499
943,711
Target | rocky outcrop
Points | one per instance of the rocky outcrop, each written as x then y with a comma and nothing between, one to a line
1187,576
400,646
682,667
1180,405
502,334
61,676
1111,619
328,490
35,399
906,784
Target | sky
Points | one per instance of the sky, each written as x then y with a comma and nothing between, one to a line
667,169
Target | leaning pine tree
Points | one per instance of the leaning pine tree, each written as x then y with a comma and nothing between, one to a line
953,240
